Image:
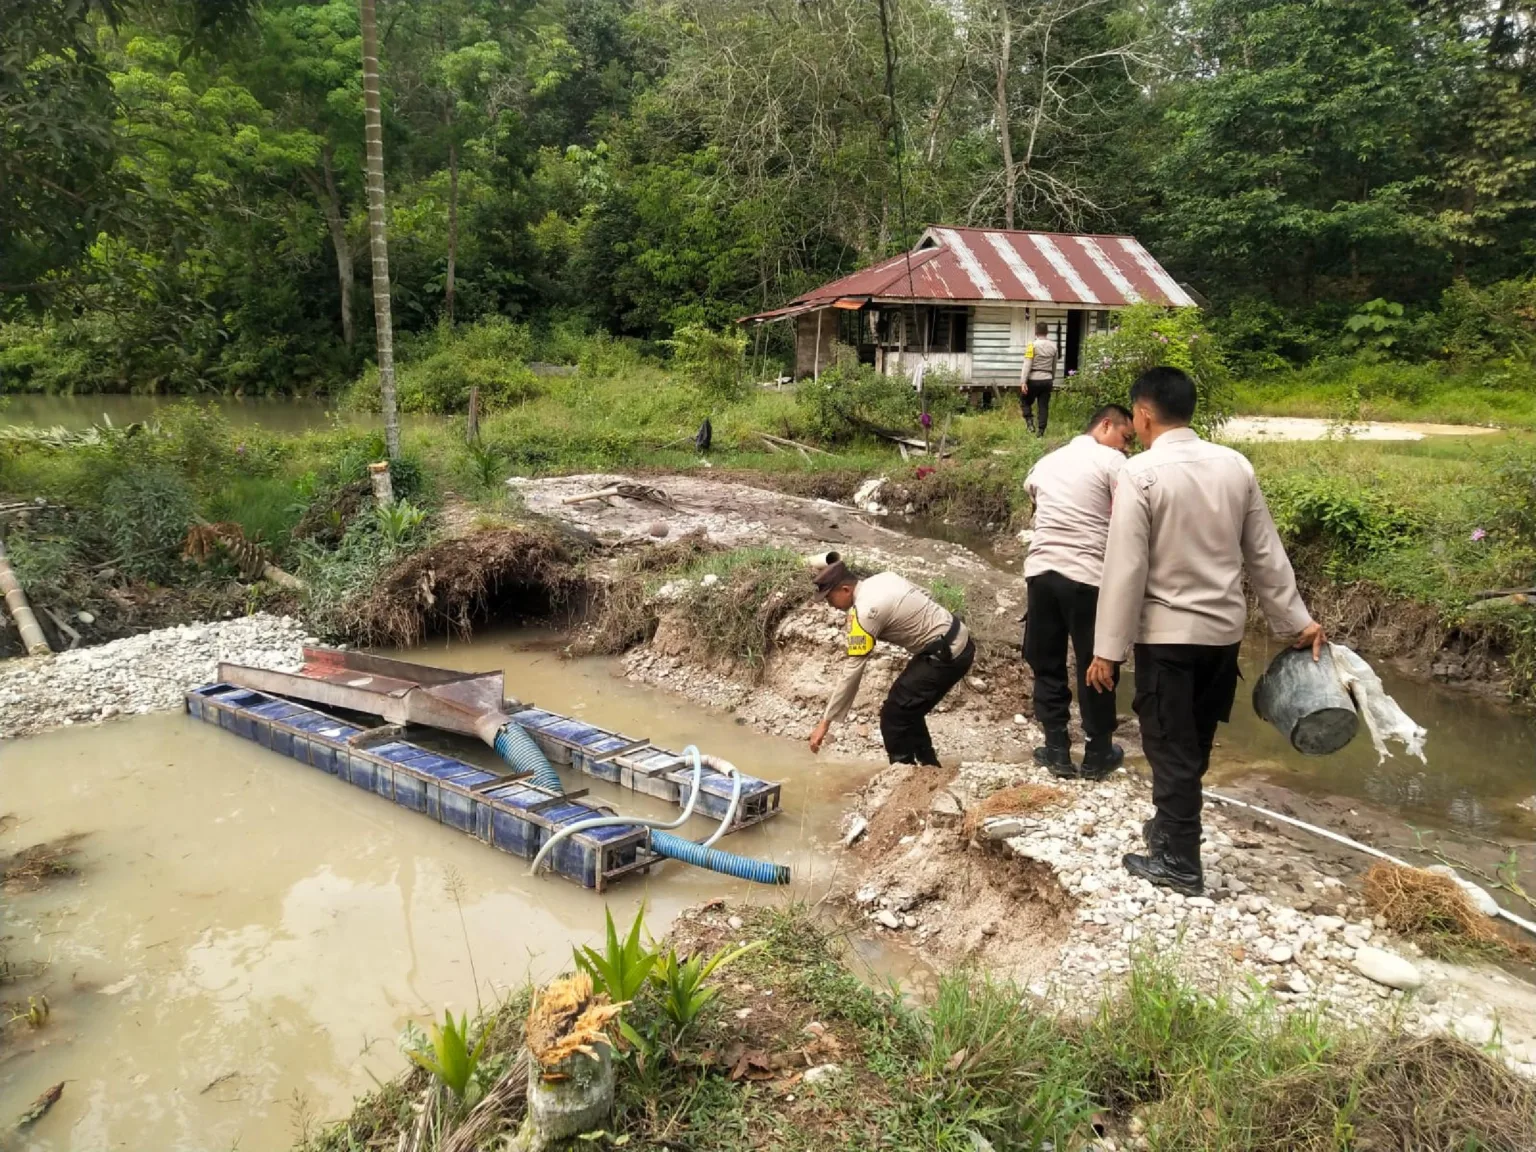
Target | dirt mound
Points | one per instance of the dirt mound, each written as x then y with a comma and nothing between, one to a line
962,899
1020,800
492,574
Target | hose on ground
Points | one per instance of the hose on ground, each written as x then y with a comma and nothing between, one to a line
628,821
522,752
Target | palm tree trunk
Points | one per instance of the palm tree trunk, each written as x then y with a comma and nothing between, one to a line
378,241
1004,125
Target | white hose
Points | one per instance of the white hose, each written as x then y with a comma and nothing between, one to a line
1347,842
610,821
729,769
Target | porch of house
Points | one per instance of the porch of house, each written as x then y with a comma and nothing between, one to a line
975,346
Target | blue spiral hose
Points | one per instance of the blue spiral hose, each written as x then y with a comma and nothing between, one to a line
741,867
519,749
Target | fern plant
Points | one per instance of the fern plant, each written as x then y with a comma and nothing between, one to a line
451,1059
622,967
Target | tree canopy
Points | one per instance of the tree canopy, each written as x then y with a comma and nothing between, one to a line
182,185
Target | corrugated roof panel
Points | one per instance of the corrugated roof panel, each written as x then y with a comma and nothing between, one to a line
976,265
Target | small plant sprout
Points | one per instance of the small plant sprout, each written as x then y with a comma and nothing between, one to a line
621,969
450,1058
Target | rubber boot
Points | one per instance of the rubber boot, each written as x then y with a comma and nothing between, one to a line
1168,867
1057,754
1101,758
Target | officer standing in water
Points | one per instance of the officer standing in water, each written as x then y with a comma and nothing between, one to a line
890,608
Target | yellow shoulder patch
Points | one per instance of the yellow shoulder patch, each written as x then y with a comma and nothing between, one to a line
860,642
1029,351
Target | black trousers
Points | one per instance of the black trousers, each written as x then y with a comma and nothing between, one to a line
1038,394
1182,692
1062,610
904,715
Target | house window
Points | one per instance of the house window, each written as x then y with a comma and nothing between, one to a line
927,327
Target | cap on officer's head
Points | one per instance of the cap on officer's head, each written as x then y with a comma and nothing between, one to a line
833,572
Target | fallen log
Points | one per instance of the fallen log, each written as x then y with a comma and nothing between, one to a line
32,637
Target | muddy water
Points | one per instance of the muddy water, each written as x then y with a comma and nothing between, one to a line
1481,758
248,936
277,415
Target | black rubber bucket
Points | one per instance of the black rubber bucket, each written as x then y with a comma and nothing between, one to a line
1303,698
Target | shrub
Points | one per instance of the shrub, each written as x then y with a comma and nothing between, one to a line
1351,522
710,361
437,372
1497,321
1375,329
1148,336
144,517
850,400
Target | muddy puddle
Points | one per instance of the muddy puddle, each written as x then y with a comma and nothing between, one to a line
1481,759
247,936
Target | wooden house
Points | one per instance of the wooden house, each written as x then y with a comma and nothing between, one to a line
967,300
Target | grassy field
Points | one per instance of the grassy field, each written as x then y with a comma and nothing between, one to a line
1426,393
981,1066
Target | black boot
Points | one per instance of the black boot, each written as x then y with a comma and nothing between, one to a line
1101,758
1168,868
1057,754
1150,836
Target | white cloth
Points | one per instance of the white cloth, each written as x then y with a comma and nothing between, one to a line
1383,718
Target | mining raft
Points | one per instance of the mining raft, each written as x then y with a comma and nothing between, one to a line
314,715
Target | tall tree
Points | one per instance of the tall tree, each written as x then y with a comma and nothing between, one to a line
378,239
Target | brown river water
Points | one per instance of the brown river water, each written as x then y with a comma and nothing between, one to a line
248,936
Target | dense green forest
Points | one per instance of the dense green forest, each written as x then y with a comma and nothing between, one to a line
182,191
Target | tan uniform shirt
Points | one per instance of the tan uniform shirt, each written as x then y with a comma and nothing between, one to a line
1073,489
890,608
1188,518
1043,367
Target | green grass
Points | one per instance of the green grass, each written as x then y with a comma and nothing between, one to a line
984,1066
1427,393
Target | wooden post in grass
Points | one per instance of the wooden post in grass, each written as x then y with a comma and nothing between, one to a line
472,421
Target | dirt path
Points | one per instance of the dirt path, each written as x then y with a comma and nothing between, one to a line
1272,428
736,515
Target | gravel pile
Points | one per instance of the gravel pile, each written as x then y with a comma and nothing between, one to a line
1277,915
146,673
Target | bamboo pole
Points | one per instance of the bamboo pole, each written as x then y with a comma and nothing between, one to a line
16,601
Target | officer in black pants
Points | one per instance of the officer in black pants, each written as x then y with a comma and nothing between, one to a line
1073,490
890,608
1189,522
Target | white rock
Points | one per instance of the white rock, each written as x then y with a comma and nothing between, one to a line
1280,954
736,923
1386,968
1481,900
821,1072
856,828
888,918
1004,827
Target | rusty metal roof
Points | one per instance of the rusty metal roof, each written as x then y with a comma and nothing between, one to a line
982,265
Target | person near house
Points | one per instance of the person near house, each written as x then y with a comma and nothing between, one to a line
887,607
1072,489
1188,520
1038,378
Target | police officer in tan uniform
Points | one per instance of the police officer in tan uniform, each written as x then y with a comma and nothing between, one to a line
890,608
1072,490
1188,520
1038,378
